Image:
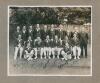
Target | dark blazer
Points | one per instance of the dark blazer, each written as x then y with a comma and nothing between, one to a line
52,43
84,38
44,34
64,33
47,43
37,33
17,42
51,34
56,43
24,36
30,33
60,34
16,34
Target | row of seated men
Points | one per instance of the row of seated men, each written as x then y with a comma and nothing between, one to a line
50,45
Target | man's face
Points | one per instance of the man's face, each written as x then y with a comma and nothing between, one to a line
76,29
52,39
83,29
19,36
61,26
66,38
47,37
30,27
37,25
68,30
45,27
38,38
56,37
52,29
18,28
29,38
52,26
24,28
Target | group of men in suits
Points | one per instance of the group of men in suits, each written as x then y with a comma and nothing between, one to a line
50,42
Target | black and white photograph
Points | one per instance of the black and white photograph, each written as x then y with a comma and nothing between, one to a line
49,41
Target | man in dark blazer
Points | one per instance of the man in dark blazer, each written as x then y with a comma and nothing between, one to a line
17,32
30,31
84,41
44,32
51,32
24,34
37,31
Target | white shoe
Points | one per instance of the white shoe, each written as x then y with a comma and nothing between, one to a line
35,58
53,57
74,57
78,57
62,58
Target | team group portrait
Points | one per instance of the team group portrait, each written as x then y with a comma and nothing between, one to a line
49,41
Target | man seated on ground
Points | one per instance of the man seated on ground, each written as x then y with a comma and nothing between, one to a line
66,52
28,54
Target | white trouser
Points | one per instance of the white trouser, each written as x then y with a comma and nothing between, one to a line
47,51
42,52
56,49
20,49
59,50
76,51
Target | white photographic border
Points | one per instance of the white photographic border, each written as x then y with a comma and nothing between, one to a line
8,74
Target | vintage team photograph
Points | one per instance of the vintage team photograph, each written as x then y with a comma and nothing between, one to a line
49,41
